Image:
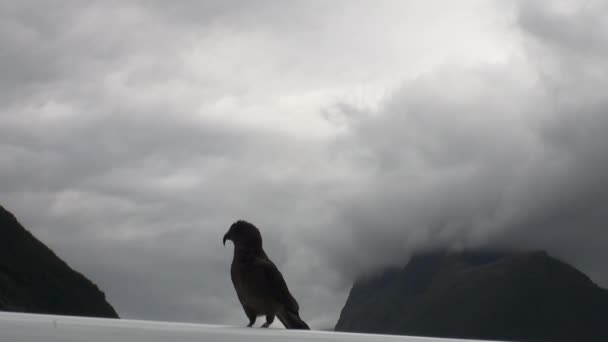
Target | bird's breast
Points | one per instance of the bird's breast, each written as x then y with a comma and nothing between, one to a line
250,285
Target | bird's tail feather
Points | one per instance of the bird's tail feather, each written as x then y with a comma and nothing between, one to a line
291,320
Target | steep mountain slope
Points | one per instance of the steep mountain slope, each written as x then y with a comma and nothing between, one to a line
33,279
485,295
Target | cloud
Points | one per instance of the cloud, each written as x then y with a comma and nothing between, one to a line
133,135
507,155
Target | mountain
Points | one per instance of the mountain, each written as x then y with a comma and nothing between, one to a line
33,279
479,294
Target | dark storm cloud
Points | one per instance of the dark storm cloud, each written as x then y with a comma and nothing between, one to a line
503,156
570,28
133,134
266,14
51,44
570,184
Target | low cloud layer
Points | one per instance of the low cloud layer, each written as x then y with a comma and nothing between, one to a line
133,135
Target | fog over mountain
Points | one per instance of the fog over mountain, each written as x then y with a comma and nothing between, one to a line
353,134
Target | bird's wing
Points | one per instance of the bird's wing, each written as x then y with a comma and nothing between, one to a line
278,287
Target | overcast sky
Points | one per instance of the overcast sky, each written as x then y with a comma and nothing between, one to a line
353,133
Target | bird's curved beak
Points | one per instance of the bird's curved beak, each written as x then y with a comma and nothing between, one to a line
226,237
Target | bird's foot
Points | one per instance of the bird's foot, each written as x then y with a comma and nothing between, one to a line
251,321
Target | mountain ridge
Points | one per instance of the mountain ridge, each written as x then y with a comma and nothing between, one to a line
34,279
525,296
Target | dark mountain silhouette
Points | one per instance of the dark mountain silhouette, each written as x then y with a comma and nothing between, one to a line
484,295
33,279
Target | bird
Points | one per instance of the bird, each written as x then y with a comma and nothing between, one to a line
259,284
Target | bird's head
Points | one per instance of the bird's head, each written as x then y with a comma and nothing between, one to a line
244,234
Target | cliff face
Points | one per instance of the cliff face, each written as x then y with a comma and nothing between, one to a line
524,297
33,279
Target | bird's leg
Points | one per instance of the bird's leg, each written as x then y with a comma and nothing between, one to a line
251,315
269,320
251,321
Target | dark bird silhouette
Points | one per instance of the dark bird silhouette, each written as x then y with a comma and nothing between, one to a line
259,284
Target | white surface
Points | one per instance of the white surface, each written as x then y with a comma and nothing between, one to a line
46,328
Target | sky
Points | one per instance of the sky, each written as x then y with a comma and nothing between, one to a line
352,133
